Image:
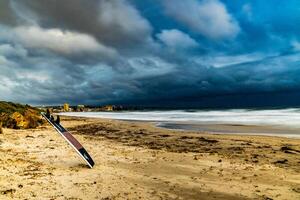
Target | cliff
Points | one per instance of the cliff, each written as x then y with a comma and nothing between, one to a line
18,116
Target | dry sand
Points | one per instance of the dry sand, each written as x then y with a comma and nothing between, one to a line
139,161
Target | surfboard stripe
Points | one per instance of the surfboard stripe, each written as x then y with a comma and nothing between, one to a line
72,140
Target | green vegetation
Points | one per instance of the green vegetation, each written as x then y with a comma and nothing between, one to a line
9,107
13,115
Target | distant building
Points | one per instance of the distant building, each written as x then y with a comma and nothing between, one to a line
80,108
107,108
66,107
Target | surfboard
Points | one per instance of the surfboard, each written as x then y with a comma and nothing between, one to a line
73,142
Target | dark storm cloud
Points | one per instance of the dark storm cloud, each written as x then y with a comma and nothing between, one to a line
112,22
7,15
192,83
126,52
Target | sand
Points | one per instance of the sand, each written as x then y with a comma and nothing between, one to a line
136,160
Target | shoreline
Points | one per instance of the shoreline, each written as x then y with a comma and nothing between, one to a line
215,128
136,160
233,129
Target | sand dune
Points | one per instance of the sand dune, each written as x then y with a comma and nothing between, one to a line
139,161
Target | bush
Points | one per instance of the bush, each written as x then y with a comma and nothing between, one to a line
18,116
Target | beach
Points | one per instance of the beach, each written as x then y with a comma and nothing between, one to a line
137,160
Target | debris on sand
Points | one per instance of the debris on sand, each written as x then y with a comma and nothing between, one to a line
281,161
9,191
287,149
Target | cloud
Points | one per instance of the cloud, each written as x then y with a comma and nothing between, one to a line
5,62
145,67
219,61
176,39
247,10
123,17
62,42
296,45
207,17
152,81
7,16
12,50
115,23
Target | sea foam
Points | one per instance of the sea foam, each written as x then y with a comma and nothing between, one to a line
281,117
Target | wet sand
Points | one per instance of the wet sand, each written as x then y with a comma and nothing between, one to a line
136,160
239,129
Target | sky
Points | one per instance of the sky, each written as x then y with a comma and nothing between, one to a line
191,53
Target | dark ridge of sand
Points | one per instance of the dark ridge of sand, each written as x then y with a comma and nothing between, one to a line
280,131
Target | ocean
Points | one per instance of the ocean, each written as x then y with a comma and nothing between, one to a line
281,122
